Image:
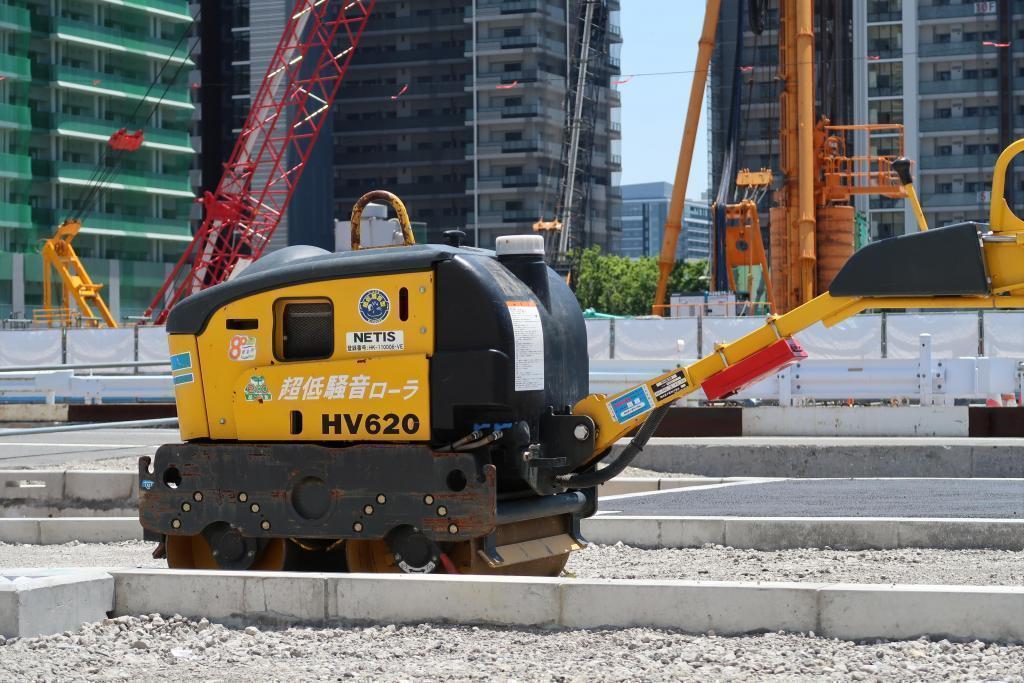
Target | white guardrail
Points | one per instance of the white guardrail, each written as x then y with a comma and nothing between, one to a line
933,358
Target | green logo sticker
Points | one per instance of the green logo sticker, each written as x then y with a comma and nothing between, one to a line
256,389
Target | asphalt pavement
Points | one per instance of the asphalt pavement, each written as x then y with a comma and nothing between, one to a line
40,450
947,498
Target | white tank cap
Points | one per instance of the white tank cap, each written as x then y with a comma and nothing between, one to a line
519,245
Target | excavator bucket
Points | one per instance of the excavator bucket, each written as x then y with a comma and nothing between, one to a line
940,262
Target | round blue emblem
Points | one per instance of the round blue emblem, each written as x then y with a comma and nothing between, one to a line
374,306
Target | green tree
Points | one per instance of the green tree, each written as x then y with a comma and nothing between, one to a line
626,286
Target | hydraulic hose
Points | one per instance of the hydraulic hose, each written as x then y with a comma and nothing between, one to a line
595,477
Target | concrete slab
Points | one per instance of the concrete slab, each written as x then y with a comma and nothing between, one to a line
857,421
835,457
729,608
50,531
831,610
101,485
882,497
782,533
856,612
46,601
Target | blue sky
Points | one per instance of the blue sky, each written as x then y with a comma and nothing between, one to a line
659,36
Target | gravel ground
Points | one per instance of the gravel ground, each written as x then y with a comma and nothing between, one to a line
712,563
718,563
130,464
155,648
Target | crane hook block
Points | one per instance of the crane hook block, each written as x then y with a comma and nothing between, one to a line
751,369
123,141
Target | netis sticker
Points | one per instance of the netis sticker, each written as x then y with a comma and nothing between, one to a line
242,347
634,402
377,340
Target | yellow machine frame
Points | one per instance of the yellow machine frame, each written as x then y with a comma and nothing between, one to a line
58,255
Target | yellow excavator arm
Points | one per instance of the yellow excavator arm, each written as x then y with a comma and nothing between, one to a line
962,266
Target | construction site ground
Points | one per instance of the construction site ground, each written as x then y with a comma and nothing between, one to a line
153,647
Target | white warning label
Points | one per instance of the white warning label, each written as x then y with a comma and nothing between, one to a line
529,342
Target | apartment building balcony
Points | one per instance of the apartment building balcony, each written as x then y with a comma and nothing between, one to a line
430,55
515,148
15,68
104,83
490,79
91,128
127,179
964,124
510,43
345,128
490,219
414,24
14,19
15,117
408,157
508,182
947,162
953,49
93,34
960,11
122,224
416,90
166,9
13,216
522,111
496,9
935,200
958,86
15,166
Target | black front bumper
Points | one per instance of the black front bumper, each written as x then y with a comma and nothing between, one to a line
312,491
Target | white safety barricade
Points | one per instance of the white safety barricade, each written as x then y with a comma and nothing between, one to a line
101,346
153,347
30,347
857,337
724,330
655,338
598,338
953,334
1004,334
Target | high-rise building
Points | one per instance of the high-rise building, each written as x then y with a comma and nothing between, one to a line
74,72
950,72
644,210
459,105
404,117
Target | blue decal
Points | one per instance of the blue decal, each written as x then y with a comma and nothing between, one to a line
183,379
374,306
181,361
147,484
630,404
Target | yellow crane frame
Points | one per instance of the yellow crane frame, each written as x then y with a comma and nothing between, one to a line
59,255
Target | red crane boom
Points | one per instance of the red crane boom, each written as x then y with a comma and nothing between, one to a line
240,216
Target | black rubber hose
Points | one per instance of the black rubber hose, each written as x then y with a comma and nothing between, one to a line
595,477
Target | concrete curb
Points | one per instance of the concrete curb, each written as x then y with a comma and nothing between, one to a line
783,533
74,493
836,457
52,531
623,485
45,601
840,610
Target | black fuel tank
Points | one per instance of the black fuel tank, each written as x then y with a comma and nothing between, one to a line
506,349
